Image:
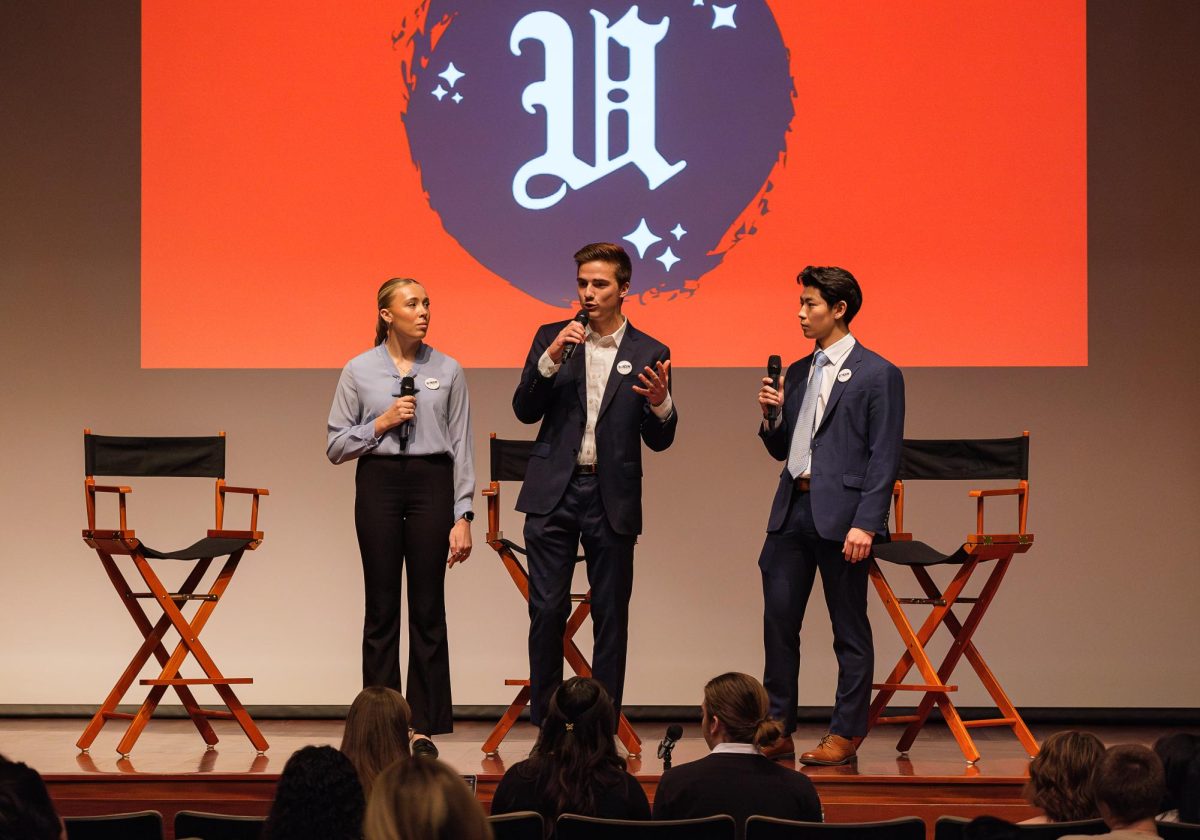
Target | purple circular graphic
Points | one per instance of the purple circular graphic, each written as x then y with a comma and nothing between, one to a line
538,127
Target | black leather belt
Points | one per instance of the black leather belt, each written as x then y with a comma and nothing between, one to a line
801,484
585,469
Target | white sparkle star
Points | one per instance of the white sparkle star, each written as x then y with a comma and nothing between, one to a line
451,74
668,258
641,238
458,97
723,16
697,2
678,232
439,92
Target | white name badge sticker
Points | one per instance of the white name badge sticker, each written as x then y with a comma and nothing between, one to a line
844,375
624,367
432,384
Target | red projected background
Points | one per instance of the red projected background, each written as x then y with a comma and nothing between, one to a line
294,157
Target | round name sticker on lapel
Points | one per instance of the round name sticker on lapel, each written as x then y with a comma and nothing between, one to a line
432,384
844,375
623,367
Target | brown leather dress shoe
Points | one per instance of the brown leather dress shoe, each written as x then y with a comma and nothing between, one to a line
784,748
833,749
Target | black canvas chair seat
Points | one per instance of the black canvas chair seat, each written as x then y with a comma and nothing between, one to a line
508,461
951,460
915,553
174,457
209,547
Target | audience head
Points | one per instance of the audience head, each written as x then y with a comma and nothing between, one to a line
575,750
1180,756
377,732
26,812
1060,777
318,797
736,709
1128,785
423,800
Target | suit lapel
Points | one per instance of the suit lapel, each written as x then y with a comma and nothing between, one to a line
625,353
839,384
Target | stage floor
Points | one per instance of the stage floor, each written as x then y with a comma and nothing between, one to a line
170,769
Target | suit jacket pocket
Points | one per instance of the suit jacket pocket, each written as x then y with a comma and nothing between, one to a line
852,480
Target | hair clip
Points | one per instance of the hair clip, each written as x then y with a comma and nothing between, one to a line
570,727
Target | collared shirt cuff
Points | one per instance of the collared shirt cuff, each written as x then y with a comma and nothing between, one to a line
663,410
546,366
768,426
460,509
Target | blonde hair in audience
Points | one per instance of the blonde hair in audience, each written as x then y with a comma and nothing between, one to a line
423,799
740,702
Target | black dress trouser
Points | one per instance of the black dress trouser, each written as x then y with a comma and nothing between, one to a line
403,512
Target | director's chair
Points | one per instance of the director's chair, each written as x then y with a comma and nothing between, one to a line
508,461
170,457
952,460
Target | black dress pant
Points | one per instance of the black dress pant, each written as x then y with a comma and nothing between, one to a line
553,543
403,512
789,562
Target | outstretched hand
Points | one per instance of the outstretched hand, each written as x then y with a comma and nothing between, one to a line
655,382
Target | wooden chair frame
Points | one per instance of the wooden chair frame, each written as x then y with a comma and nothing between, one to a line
979,547
571,652
123,541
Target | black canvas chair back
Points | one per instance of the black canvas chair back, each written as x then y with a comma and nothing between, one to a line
573,827
509,459
139,825
169,457
519,825
966,460
953,828
772,828
206,826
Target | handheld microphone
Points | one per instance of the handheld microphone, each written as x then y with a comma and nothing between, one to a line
569,350
408,387
674,733
774,368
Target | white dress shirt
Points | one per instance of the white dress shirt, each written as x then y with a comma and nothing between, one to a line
731,747
600,353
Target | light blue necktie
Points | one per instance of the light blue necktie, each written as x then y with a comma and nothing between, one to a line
800,453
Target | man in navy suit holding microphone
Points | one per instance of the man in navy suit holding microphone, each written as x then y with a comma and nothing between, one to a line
837,421
599,387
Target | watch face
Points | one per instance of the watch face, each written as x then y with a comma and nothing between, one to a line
469,516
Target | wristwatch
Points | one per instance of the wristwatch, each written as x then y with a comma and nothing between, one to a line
469,516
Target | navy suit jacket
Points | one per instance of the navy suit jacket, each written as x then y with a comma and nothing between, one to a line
624,421
856,449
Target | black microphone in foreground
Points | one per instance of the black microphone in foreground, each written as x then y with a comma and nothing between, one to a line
674,733
774,368
408,387
569,350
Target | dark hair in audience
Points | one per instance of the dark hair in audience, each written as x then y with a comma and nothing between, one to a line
423,800
575,750
1128,784
740,702
1180,756
835,285
26,812
990,828
377,732
1060,777
607,252
318,797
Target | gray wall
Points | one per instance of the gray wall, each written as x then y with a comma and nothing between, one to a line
1101,613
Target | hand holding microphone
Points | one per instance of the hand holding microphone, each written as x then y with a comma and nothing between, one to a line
770,395
408,404
572,335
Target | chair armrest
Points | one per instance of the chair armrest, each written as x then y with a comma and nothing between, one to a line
257,491
111,488
91,488
1001,491
1021,491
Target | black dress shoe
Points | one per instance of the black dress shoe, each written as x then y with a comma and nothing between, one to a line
424,747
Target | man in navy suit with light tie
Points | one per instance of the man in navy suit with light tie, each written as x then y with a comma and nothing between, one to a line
599,391
837,420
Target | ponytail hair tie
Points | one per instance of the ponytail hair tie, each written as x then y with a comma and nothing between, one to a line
570,727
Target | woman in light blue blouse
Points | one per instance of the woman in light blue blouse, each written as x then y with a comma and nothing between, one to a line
413,490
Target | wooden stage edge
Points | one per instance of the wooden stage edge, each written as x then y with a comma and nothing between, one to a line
171,770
